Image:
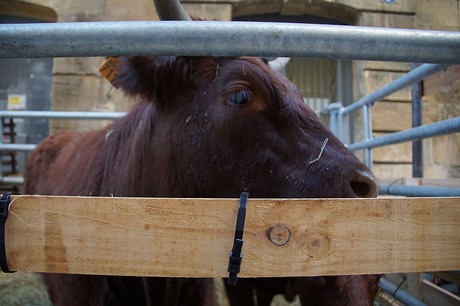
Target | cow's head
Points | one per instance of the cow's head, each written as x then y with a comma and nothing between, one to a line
233,124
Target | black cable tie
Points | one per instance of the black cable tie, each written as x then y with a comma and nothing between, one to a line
4,206
236,256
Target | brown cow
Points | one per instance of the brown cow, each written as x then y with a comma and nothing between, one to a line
203,127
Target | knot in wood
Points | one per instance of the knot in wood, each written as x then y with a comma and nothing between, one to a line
279,234
317,245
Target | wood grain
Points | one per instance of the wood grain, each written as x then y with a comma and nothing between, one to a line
193,237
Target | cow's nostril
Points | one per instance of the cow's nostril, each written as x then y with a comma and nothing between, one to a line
362,190
364,184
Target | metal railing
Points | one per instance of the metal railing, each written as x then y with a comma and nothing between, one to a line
253,38
19,147
220,38
243,38
338,113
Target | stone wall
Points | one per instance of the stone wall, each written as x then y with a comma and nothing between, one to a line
78,85
440,93
442,101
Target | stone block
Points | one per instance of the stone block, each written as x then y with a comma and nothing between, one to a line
437,15
392,172
134,10
442,95
387,20
386,66
391,116
85,93
77,65
209,11
406,6
325,9
436,171
446,149
397,153
377,79
74,92
257,7
75,11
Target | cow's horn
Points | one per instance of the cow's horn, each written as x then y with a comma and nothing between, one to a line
279,63
170,10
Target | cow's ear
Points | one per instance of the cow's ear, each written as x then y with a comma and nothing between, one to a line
156,78
134,75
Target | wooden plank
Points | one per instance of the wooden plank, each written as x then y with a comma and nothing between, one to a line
193,237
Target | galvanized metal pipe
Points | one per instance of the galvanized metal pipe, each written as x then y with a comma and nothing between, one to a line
1,143
61,115
22,147
340,125
220,38
409,78
367,121
417,145
419,191
46,115
400,294
14,180
333,109
430,130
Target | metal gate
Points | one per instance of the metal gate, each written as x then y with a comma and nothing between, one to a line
438,48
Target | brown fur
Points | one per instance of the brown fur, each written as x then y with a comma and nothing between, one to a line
186,137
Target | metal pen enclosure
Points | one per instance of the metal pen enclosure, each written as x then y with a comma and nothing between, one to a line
439,48
218,38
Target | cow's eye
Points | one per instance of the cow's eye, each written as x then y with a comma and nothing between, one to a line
239,97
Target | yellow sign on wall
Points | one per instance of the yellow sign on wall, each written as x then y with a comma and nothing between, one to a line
16,102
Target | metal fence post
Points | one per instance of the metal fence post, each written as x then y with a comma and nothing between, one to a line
367,122
334,124
417,145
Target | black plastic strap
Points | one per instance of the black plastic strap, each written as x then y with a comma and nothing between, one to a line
4,206
234,261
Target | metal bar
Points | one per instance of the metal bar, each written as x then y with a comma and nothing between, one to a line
419,191
400,294
415,75
430,130
17,147
341,126
220,38
367,134
49,115
14,180
417,145
333,122
333,110
1,143
61,115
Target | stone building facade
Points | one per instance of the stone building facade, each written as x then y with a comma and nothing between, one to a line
77,85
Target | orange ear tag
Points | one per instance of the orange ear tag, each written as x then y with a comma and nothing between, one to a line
109,70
